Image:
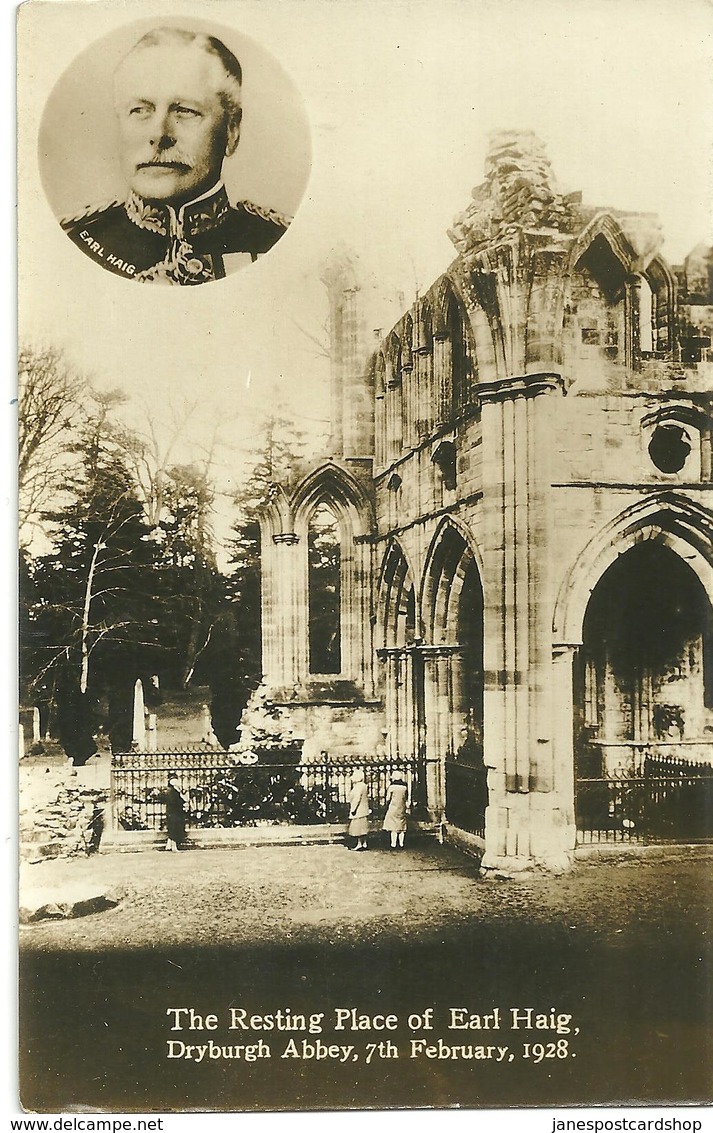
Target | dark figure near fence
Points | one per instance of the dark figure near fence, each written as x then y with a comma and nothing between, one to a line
94,829
175,815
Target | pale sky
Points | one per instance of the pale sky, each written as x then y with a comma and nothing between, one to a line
400,96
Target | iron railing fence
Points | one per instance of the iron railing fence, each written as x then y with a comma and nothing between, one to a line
273,787
466,795
619,758
671,801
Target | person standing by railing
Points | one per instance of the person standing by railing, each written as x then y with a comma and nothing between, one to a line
396,807
175,815
359,811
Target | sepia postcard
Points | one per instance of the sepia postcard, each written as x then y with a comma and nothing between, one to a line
366,556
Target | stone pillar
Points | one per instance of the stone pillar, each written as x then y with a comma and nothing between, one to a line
36,734
408,407
407,746
208,735
435,785
356,609
287,596
563,743
442,378
388,657
522,823
438,706
632,311
152,732
380,429
401,680
138,727
458,714
394,418
423,400
400,707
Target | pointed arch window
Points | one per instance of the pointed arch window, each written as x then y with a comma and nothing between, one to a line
324,585
461,357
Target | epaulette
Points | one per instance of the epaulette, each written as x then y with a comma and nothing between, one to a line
90,212
266,214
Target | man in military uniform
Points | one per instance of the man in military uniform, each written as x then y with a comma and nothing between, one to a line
177,98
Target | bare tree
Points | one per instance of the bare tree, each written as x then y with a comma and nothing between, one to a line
49,396
151,453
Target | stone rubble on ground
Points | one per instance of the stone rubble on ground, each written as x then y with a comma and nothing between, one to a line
71,900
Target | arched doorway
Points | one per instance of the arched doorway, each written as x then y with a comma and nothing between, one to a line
396,640
453,678
643,699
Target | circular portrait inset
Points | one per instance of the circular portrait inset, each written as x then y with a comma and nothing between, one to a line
172,152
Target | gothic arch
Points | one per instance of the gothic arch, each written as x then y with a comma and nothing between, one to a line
669,519
276,517
451,558
636,277
335,486
454,688
396,599
605,228
663,289
451,323
443,294
393,356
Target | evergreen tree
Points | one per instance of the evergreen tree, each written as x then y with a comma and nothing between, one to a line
189,587
94,616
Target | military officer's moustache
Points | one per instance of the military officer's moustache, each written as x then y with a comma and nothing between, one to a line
174,164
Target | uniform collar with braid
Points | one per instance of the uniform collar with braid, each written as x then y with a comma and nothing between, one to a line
191,219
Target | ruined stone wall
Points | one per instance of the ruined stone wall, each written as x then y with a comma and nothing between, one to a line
593,339
62,809
346,730
542,390
601,465
415,487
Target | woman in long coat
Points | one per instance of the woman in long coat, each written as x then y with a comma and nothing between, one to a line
396,805
175,815
359,811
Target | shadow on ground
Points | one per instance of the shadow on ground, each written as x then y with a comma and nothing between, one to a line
94,1024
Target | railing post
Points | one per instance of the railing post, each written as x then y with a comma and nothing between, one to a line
113,816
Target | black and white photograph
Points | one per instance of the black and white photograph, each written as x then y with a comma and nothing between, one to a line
157,125
366,595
